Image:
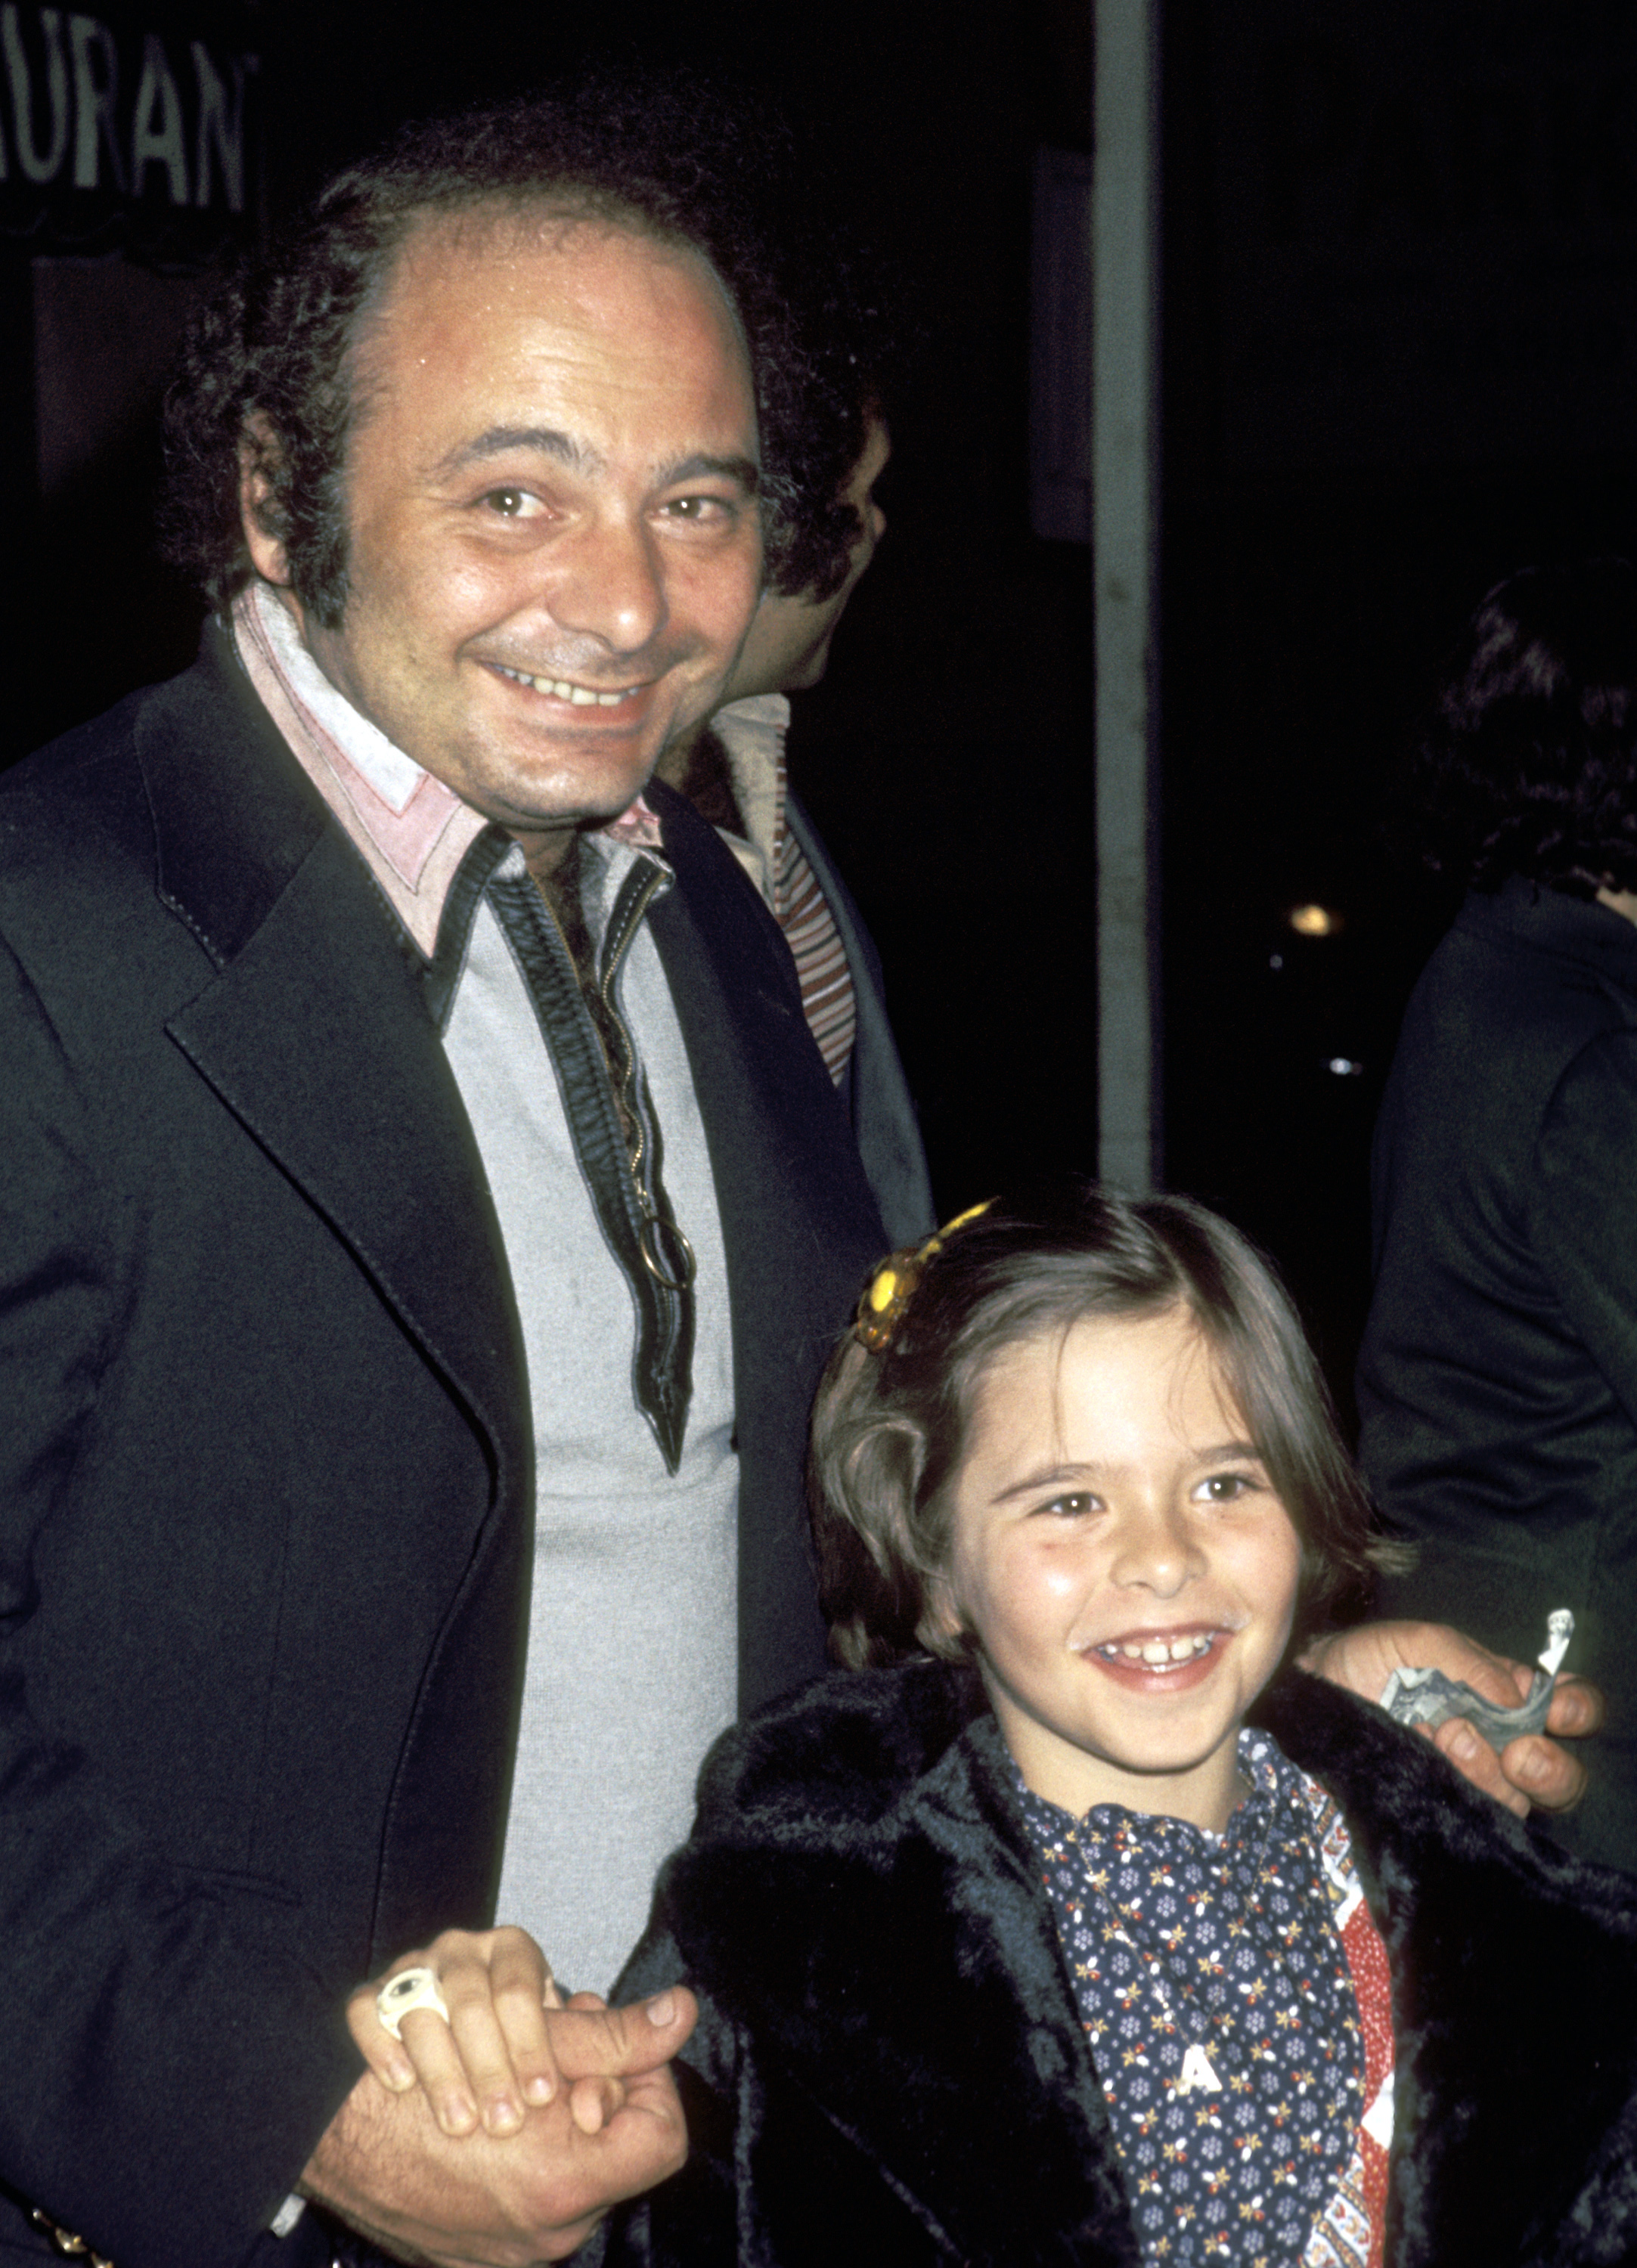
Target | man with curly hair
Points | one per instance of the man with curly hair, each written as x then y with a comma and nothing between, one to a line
1498,1379
426,1210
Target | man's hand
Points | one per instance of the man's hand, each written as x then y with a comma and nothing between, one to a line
613,2129
1532,1770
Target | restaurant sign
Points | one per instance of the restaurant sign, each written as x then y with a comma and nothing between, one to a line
115,132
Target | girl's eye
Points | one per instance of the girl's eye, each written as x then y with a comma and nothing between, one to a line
1070,1507
1226,1488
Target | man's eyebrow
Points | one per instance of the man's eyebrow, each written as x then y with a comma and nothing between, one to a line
542,440
580,457
702,466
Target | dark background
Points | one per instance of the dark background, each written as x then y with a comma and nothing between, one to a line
1397,354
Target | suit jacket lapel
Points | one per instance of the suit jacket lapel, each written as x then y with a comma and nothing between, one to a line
314,1035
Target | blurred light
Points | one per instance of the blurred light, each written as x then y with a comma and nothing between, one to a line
1276,960
1315,921
1344,1067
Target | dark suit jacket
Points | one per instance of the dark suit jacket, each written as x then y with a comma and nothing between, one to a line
265,1465
891,2066
1498,1379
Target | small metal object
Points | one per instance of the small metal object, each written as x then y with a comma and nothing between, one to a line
674,1269
64,2241
1427,1697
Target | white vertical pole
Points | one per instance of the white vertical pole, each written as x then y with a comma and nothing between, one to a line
1125,462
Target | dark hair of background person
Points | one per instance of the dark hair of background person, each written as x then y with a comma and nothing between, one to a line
889,1429
1527,763
688,159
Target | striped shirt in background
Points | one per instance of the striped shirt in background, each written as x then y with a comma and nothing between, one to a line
752,735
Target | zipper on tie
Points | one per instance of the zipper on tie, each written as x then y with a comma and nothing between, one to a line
666,1252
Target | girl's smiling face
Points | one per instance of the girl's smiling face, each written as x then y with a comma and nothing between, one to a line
1119,1554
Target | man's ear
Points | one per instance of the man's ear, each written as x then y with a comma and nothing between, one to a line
258,456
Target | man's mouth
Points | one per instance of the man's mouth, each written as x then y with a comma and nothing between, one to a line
579,697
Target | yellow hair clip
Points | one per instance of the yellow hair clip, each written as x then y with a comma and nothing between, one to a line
892,1286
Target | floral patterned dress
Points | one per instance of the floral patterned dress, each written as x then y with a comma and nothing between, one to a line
1236,1996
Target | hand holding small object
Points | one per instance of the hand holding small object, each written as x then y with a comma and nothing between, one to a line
1537,1771
1427,1697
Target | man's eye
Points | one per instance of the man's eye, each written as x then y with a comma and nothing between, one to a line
511,504
699,508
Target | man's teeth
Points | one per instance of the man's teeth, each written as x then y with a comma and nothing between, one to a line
1159,1653
581,695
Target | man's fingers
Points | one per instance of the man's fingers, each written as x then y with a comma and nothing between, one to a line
1476,1761
1532,1770
1547,1775
509,2043
593,2102
1577,1707
1493,1675
387,2167
1363,1660
639,2138
593,2042
1529,1772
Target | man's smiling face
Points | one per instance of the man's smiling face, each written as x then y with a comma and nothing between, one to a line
553,543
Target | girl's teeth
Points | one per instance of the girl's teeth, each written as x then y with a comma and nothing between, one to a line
1159,1653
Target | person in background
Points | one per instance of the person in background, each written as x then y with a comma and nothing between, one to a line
732,769
1497,1382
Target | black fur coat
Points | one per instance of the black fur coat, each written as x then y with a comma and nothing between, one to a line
890,2066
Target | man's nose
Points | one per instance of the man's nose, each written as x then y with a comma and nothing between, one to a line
608,584
1154,1551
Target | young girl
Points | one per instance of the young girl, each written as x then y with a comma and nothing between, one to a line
1016,1941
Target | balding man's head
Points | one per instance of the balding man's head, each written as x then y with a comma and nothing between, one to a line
270,370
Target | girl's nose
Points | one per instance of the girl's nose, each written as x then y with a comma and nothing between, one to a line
1154,1551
